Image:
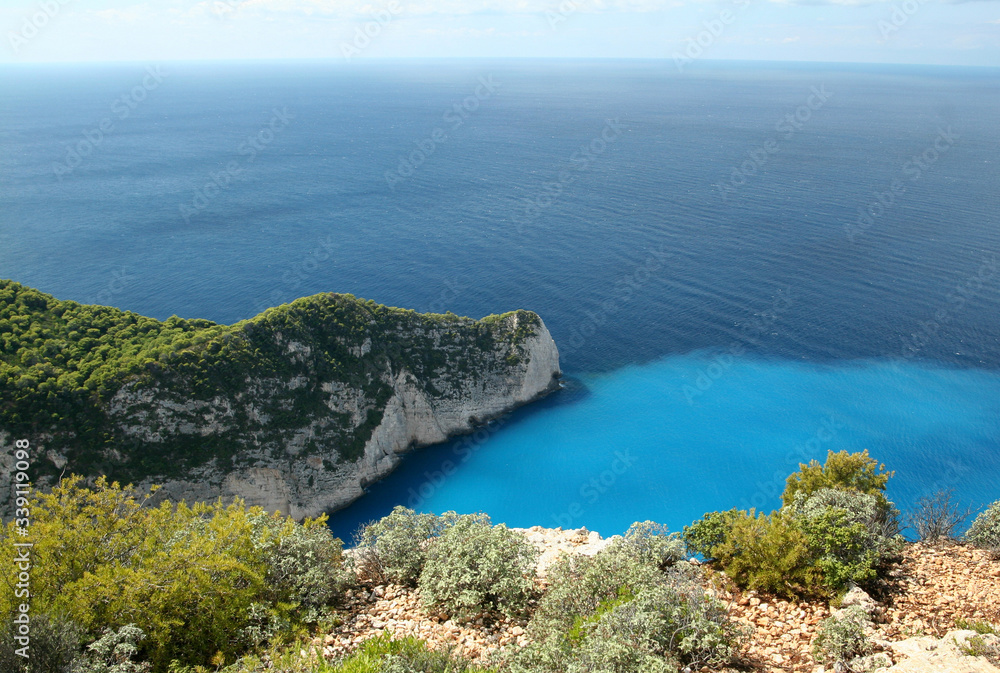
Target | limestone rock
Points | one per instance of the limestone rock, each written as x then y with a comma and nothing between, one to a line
926,654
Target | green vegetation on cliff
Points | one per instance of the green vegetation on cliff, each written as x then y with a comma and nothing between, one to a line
62,364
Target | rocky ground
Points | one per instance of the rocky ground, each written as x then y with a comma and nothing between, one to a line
931,589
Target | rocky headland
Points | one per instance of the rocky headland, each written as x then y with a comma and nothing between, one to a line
296,410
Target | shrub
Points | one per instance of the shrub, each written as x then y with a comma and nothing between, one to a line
304,563
652,543
394,548
979,626
382,654
405,655
474,567
704,535
845,471
878,515
769,553
580,585
936,517
977,646
985,529
54,647
674,622
851,534
842,638
841,550
658,623
114,652
195,580
628,637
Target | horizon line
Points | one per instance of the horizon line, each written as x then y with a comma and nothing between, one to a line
348,63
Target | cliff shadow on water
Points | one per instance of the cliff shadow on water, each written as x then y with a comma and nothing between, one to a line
422,473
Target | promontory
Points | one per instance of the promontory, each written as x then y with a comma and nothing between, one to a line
296,409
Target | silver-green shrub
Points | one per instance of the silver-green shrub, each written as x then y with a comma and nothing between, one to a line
394,548
474,567
985,529
879,516
842,638
618,612
652,543
304,565
54,647
114,652
580,584
674,620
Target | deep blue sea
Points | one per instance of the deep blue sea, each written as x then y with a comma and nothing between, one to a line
744,265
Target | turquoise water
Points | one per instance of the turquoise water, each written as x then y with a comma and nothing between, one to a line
640,443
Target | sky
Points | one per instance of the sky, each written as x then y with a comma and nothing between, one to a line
876,31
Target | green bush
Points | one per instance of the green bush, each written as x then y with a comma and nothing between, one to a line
474,567
195,580
845,471
382,654
703,536
977,625
985,529
54,646
618,612
836,527
580,585
394,548
769,553
841,550
842,638
851,534
652,543
304,564
674,623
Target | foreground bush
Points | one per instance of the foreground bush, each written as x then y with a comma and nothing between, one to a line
835,528
55,646
844,471
851,534
842,638
304,564
769,553
617,611
708,533
114,652
651,543
394,548
196,581
985,529
382,654
475,567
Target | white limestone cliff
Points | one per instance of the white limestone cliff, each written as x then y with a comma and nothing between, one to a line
302,470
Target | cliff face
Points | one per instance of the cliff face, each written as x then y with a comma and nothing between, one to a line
296,410
306,483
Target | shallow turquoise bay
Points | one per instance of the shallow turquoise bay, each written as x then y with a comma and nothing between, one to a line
647,442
